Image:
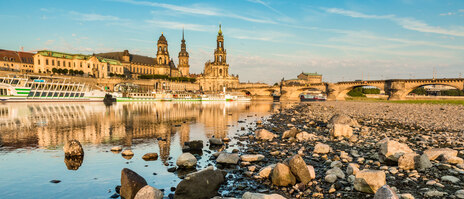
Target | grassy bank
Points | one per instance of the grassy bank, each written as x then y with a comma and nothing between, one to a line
446,101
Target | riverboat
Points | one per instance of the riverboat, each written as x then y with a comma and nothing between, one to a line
309,97
45,89
137,96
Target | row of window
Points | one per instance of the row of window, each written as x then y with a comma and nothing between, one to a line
55,94
59,63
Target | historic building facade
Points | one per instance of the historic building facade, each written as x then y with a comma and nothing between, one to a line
16,61
215,76
162,64
46,61
304,79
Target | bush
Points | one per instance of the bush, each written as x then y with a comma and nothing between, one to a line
165,77
419,91
356,92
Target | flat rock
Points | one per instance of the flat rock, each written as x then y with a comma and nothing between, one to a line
266,171
186,160
290,133
228,158
264,134
116,148
201,184
408,161
127,152
215,141
436,152
196,145
459,194
451,179
249,195
150,156
251,158
393,150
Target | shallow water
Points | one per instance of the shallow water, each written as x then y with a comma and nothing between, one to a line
32,137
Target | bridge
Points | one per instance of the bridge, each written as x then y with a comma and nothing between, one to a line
396,89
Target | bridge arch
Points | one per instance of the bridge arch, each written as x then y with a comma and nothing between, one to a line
412,85
345,89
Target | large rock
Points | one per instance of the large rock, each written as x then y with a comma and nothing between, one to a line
437,152
322,148
369,181
304,136
299,169
343,119
215,141
150,156
73,148
452,159
252,158
249,195
460,194
201,184
186,160
423,163
282,176
131,183
408,161
196,145
227,158
264,134
127,152
149,192
385,192
393,150
290,133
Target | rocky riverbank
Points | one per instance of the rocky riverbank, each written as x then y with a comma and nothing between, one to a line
354,148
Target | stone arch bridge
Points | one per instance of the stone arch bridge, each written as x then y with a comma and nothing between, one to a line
396,89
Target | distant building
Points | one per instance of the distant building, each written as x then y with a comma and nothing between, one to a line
312,78
16,61
48,62
216,74
161,65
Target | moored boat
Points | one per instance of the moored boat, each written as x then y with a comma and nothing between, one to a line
309,97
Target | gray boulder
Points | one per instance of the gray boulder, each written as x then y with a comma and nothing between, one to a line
215,141
201,184
149,192
385,192
186,160
227,158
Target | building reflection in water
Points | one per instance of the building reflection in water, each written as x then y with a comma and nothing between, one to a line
49,125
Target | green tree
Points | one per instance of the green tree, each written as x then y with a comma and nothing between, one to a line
54,70
65,71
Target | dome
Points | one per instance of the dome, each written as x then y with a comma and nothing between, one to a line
162,39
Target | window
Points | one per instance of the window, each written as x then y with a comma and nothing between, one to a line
53,62
88,65
38,61
81,64
46,62
69,64
220,72
58,63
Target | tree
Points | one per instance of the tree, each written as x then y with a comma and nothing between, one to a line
71,71
81,72
65,71
54,70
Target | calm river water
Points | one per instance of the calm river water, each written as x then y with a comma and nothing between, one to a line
32,137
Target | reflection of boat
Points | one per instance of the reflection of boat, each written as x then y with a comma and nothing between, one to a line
185,97
42,89
309,97
136,96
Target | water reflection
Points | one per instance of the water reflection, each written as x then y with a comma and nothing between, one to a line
73,163
49,125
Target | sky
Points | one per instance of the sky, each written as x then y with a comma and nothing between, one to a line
266,40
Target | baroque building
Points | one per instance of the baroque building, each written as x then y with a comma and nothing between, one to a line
215,76
162,64
16,61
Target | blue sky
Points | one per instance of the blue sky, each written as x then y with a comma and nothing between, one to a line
265,39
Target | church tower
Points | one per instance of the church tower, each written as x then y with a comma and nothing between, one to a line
183,58
162,56
220,52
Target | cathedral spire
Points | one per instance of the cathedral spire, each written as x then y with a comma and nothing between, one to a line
182,33
220,31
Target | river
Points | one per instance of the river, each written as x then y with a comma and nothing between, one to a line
32,136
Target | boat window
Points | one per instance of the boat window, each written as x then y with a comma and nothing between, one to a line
50,94
44,94
37,94
61,94
82,94
56,94
66,95
72,95
15,81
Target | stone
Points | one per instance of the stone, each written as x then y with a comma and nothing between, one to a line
408,161
196,145
200,184
451,179
116,148
249,195
369,181
452,159
282,176
73,148
336,171
290,133
266,171
131,183
299,169
312,172
228,158
385,192
343,119
331,178
352,169
423,163
341,130
264,134
215,141
336,164
149,192
304,136
459,194
406,196
186,160
252,158
393,150
322,148
434,193
436,152
127,152
150,156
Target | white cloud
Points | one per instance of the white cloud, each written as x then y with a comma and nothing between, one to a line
197,10
178,25
447,14
49,42
92,17
407,23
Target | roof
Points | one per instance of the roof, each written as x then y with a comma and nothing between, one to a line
16,56
162,39
311,74
138,59
102,59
